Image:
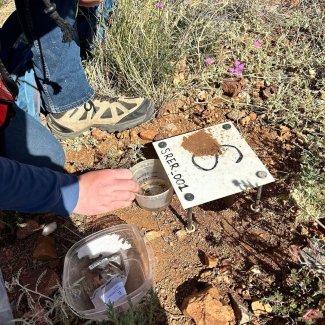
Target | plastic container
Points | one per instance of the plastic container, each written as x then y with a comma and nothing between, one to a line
156,190
123,246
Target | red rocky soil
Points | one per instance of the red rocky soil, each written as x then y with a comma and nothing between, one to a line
242,253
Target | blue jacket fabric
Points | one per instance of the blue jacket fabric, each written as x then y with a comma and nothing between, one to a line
27,188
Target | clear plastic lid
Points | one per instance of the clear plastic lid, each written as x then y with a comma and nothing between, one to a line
110,266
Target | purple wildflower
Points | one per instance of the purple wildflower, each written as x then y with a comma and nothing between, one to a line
160,5
208,60
239,67
257,44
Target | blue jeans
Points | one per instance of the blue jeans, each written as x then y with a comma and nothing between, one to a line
49,75
42,62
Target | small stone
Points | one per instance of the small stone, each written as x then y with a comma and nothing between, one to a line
208,260
133,136
285,133
45,249
205,274
255,270
232,87
246,295
148,134
27,228
206,307
241,311
252,116
49,228
170,127
152,235
98,134
222,279
159,136
269,91
181,234
236,115
261,309
245,121
202,96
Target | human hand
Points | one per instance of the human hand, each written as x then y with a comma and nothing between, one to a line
89,3
105,190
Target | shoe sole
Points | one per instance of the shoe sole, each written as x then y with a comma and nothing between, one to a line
110,128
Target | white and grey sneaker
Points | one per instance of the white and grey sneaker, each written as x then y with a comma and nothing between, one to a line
114,115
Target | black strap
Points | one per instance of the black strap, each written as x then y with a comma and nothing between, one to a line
67,30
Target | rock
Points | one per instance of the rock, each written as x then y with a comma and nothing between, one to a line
252,116
153,234
159,136
206,308
49,228
225,265
269,91
285,133
241,311
205,274
208,260
45,249
27,228
45,281
255,270
222,279
148,134
134,136
245,121
170,127
202,96
181,234
246,295
261,309
236,115
232,87
98,134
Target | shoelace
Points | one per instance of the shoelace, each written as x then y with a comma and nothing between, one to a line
91,106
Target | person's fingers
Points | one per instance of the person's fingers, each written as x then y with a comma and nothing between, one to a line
119,173
119,205
124,185
124,196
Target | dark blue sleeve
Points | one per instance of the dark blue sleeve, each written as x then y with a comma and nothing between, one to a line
27,188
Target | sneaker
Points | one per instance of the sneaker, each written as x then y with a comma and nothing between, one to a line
113,115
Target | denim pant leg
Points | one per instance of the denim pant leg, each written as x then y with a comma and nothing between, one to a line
16,54
29,142
57,65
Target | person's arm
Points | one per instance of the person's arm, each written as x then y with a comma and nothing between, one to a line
28,188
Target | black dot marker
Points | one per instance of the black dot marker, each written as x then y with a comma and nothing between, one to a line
226,126
162,144
189,197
